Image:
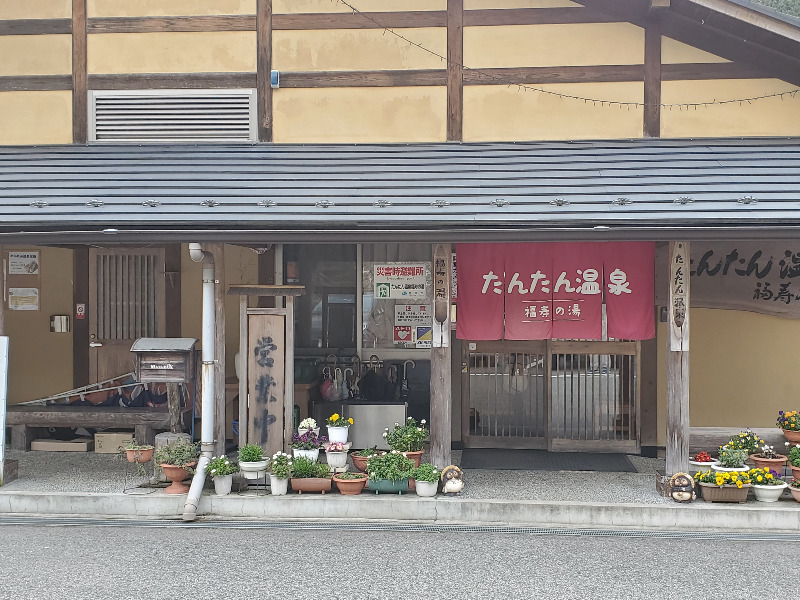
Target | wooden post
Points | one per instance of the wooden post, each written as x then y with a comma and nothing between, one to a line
218,251
243,358
441,405
174,406
678,360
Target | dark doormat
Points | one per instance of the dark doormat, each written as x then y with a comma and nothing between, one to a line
542,460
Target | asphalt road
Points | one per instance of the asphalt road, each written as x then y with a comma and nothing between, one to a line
109,563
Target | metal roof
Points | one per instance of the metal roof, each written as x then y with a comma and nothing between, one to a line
146,344
622,189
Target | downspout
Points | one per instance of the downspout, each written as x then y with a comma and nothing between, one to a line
197,254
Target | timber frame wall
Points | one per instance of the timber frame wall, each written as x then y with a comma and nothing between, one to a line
655,21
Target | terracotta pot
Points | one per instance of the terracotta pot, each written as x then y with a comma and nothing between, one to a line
176,475
416,456
795,471
795,493
359,462
139,456
350,487
389,486
776,464
311,484
726,493
792,436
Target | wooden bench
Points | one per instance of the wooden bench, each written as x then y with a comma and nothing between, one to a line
24,421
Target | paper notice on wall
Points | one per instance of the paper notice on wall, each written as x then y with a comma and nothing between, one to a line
23,299
412,321
406,280
23,263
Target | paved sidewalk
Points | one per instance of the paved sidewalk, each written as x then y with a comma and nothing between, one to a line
92,485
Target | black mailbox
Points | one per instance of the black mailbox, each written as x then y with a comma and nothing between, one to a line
170,360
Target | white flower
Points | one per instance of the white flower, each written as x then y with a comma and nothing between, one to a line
384,434
423,421
396,425
213,471
419,428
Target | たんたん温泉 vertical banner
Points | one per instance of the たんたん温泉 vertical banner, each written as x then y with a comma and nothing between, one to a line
480,291
629,289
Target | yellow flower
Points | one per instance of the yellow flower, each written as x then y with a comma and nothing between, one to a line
335,417
350,420
759,478
739,484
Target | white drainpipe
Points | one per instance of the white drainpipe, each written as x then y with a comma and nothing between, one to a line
197,254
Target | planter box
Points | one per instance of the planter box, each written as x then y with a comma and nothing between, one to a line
726,493
388,486
311,484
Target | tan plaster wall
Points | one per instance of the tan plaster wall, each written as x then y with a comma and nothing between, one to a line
35,118
741,370
142,8
402,114
230,51
35,9
40,362
35,55
509,113
358,50
331,6
553,45
673,51
767,117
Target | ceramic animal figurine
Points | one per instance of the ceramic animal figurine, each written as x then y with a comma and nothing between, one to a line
452,480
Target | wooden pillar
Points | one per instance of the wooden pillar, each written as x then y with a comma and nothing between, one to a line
80,78
678,360
264,69
455,70
441,381
218,251
243,358
652,82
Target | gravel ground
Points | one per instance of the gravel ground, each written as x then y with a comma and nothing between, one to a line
110,473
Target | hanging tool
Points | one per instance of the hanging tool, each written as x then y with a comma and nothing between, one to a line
404,385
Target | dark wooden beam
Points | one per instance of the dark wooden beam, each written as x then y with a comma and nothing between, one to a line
148,81
729,70
264,69
170,24
80,94
455,70
365,20
570,74
323,79
266,275
80,328
35,83
535,16
35,26
652,82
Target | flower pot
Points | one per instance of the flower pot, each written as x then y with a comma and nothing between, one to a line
427,489
769,493
695,466
388,486
795,471
350,487
139,456
301,431
254,469
176,475
311,484
278,485
336,460
795,493
338,434
776,464
726,493
719,467
223,484
359,462
416,456
309,454
792,436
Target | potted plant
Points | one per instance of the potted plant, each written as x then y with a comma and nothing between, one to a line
731,459
307,445
336,455
360,458
350,484
426,477
338,428
252,462
745,440
727,486
769,459
794,488
307,424
790,423
408,438
221,471
389,472
280,470
702,461
176,460
310,476
794,459
767,485
138,453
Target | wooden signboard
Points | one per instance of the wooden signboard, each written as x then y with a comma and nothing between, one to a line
266,341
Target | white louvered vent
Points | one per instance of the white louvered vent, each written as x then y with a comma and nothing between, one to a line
172,116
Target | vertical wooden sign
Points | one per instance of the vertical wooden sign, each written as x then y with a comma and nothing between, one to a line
442,265
679,296
441,402
266,341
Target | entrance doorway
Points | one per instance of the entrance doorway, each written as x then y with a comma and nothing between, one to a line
126,302
555,394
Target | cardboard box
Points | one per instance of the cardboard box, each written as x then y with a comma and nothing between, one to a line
76,445
109,443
